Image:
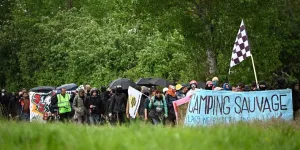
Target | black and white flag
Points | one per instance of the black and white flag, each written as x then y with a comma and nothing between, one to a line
241,48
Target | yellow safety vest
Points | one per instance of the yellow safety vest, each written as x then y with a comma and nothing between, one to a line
63,103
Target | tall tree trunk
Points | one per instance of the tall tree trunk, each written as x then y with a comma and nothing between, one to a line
211,60
70,4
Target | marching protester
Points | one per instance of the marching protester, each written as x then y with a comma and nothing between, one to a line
96,108
193,85
62,103
180,91
215,81
240,87
145,95
79,107
170,98
117,107
104,96
4,100
147,102
262,85
226,87
14,107
296,100
158,108
209,85
25,103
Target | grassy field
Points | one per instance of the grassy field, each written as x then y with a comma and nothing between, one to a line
271,135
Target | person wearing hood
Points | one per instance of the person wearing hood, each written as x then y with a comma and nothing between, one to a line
170,98
104,96
209,85
117,108
296,100
262,85
79,105
95,107
14,107
193,85
226,87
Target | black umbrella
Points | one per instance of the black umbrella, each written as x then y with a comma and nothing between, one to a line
69,87
144,82
160,82
124,82
43,89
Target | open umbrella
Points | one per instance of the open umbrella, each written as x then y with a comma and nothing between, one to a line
42,89
69,87
124,82
144,82
160,82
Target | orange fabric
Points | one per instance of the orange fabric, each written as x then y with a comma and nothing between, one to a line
171,92
26,106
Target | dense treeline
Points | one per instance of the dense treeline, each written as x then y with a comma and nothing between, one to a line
54,42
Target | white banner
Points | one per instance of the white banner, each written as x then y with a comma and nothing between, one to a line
39,106
134,98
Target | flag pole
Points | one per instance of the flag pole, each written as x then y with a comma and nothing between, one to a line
254,72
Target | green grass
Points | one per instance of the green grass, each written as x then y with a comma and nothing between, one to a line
272,135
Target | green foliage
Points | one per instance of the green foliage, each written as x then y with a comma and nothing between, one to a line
45,43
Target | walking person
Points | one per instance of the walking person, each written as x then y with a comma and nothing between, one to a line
117,106
79,107
158,108
95,107
25,110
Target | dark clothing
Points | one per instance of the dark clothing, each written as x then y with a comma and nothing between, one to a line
142,107
97,105
104,96
64,117
14,106
4,100
296,100
171,113
118,103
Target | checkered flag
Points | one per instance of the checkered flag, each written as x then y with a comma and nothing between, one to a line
241,48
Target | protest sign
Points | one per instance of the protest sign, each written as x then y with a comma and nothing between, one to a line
212,107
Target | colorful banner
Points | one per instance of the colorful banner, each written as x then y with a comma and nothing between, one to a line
178,103
134,99
213,107
39,106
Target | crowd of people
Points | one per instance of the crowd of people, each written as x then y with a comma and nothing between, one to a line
100,106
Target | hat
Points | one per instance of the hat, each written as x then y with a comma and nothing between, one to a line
165,90
208,82
215,79
178,87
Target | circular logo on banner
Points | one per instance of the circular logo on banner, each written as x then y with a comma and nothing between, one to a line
132,101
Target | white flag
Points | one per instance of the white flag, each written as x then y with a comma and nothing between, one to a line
134,99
